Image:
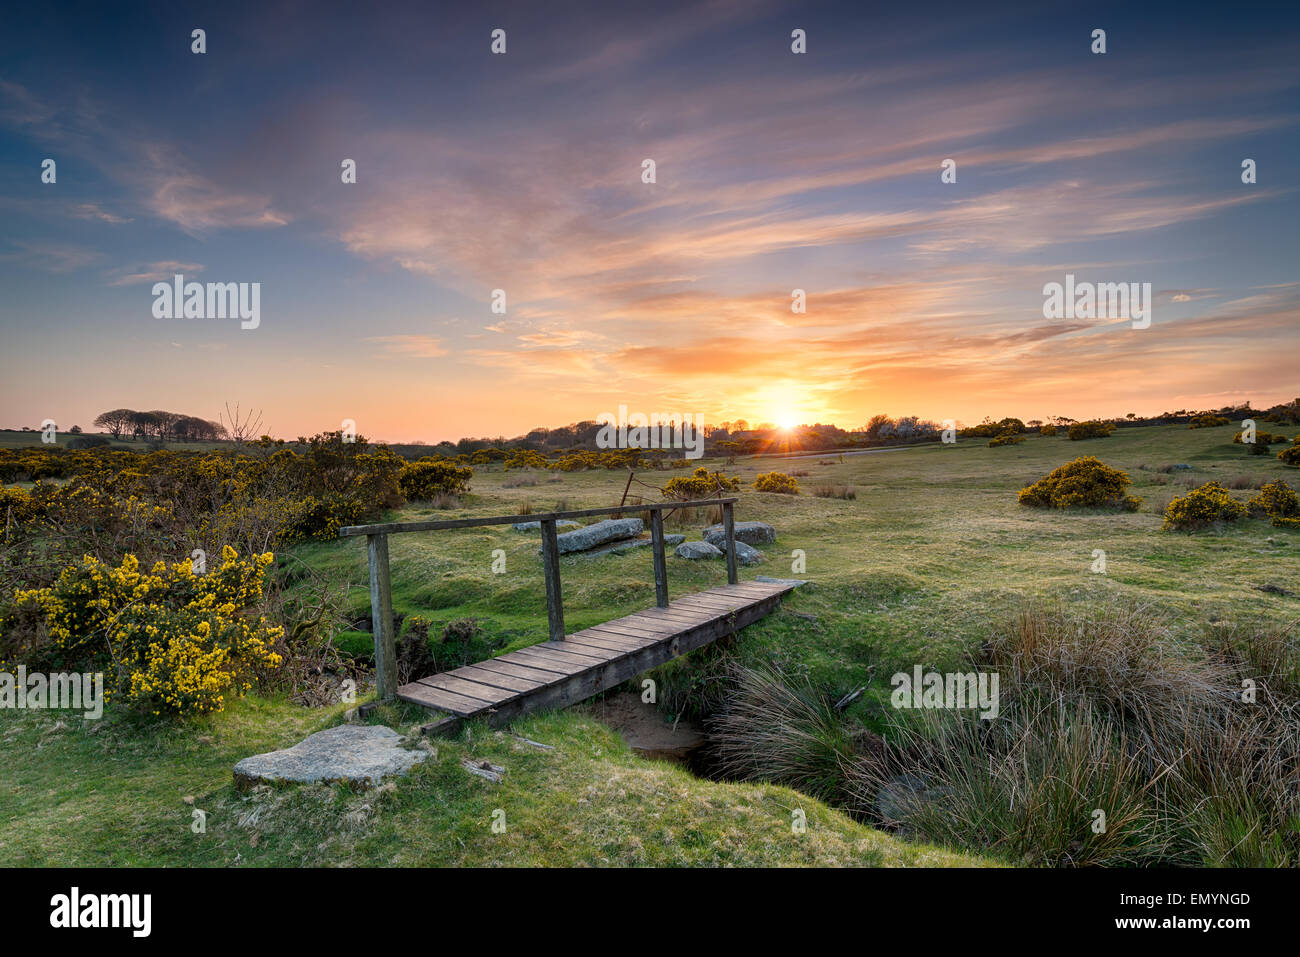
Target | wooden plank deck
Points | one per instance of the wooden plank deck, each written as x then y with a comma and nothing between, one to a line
556,674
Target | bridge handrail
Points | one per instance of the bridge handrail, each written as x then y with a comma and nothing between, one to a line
381,599
392,528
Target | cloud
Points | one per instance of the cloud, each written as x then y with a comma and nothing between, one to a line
156,272
410,346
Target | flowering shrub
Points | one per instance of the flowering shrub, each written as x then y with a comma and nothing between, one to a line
1208,421
167,639
422,480
1090,430
1007,439
1261,438
1291,454
1203,506
777,482
1279,502
1084,483
609,459
1048,430
525,459
700,484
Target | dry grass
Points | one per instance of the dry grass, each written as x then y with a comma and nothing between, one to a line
835,491
1105,712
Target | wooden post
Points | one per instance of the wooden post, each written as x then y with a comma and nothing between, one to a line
551,565
381,617
729,530
657,546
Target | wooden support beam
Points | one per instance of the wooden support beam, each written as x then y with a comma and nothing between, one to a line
729,530
381,616
551,565
661,567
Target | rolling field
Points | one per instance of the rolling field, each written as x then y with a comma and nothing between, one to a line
931,554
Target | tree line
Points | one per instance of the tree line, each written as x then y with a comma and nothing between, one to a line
159,425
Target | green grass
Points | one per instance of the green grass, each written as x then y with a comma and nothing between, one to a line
117,797
932,550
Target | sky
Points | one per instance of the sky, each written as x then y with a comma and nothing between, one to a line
523,172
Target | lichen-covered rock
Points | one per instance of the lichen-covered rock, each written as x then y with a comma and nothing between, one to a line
751,533
610,530
745,554
356,754
536,526
697,550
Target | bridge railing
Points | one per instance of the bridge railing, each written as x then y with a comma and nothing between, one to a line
381,598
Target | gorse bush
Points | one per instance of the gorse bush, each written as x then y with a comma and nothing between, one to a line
1207,420
1210,504
1008,439
1291,454
1047,430
1084,483
168,640
1279,502
525,459
700,484
777,482
425,480
1090,430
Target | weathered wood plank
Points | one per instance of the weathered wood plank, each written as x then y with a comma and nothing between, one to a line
551,566
499,680
568,664
607,640
729,530
381,617
660,566
450,681
417,693
518,670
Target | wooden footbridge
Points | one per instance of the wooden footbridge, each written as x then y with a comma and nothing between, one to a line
570,668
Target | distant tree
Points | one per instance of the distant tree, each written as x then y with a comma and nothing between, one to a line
75,430
116,422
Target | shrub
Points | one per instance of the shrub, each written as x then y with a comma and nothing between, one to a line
525,459
777,482
1291,454
1084,483
167,639
987,430
1279,502
1203,506
1261,438
700,484
424,481
1207,420
1048,430
1090,430
1008,439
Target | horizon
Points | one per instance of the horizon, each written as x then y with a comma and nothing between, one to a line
774,172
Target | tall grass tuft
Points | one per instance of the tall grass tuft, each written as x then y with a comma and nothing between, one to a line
775,727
